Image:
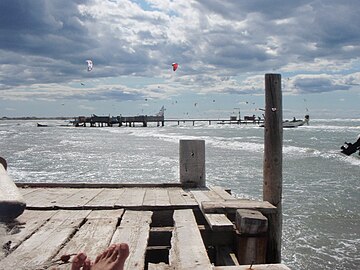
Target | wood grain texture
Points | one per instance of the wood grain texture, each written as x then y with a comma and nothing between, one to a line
94,235
134,230
187,248
232,206
219,222
255,267
38,250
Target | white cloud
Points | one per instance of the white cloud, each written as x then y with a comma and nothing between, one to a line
314,43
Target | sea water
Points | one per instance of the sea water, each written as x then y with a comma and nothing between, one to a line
321,219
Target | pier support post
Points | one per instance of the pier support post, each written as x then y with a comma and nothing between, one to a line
272,166
251,229
192,163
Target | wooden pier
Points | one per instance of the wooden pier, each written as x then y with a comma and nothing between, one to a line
95,120
108,121
217,121
185,225
166,226
144,120
159,119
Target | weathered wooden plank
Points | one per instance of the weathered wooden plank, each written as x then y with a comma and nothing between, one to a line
187,248
42,246
94,235
200,196
216,222
222,193
180,197
134,230
47,198
205,195
156,197
26,190
222,207
96,185
255,267
107,214
219,222
78,198
106,198
24,226
131,197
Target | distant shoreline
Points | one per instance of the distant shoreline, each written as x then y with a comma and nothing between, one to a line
37,118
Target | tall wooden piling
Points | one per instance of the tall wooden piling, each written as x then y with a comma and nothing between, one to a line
272,170
192,163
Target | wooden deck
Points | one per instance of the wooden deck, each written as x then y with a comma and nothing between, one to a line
166,226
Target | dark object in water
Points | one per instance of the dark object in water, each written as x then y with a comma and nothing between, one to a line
350,148
41,125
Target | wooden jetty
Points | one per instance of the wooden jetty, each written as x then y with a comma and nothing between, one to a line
132,121
230,121
159,119
109,121
95,120
185,225
166,226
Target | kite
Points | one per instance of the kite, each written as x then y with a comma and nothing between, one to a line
89,65
175,66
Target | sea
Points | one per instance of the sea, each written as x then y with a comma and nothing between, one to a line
321,193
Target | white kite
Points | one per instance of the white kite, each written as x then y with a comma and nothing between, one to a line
89,65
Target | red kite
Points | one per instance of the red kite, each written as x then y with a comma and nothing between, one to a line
175,66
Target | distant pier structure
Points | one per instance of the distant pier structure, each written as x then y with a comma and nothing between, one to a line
109,121
101,121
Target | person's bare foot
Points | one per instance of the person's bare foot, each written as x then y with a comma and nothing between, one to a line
87,264
112,259
80,261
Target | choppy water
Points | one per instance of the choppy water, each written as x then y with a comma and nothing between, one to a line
321,195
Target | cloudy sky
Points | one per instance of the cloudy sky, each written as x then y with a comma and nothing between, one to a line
223,48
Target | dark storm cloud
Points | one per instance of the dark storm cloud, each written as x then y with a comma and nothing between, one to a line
46,28
305,28
44,40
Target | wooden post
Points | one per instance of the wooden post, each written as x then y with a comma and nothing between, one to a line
192,163
272,170
251,229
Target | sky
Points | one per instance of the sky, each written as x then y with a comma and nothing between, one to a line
223,49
